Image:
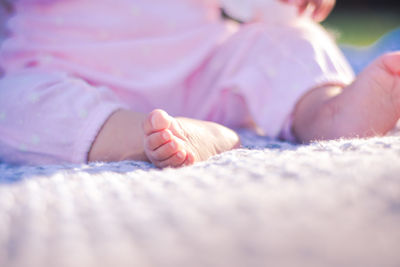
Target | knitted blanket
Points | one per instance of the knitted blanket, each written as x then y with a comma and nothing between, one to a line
331,203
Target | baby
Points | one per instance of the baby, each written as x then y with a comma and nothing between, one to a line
161,80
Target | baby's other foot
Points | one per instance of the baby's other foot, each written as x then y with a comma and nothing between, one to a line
174,142
377,89
370,106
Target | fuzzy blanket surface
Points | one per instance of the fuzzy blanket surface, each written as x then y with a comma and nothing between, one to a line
331,203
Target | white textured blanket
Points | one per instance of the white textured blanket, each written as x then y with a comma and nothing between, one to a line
327,204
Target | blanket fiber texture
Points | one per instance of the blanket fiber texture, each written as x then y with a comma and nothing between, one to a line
269,203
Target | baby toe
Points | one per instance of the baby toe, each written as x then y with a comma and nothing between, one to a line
157,120
190,159
165,151
157,139
174,161
392,61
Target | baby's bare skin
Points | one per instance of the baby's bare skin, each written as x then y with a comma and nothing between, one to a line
370,106
320,8
161,139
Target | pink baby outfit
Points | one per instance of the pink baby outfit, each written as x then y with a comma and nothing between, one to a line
69,64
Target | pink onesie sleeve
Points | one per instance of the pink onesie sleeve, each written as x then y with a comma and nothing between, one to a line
50,117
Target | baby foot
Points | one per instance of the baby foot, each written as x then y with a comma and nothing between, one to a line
174,142
371,105
376,94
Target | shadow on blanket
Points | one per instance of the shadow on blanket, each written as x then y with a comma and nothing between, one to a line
14,173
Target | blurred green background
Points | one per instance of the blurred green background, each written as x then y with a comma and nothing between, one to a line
361,22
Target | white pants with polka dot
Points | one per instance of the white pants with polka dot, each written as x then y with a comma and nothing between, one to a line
50,117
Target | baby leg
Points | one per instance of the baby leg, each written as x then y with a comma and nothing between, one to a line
370,106
50,117
160,138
